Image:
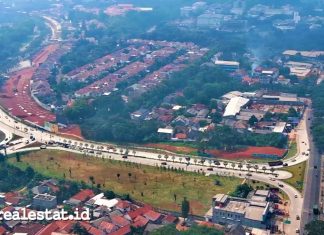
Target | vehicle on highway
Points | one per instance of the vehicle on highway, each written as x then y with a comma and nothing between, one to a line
297,230
163,163
281,185
210,169
297,217
272,179
296,196
90,151
125,156
248,174
275,163
285,164
43,146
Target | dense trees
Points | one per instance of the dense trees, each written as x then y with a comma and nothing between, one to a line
194,230
229,139
12,177
315,227
242,190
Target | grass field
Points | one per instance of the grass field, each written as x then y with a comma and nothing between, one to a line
144,183
292,151
298,172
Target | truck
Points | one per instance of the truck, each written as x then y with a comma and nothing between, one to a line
275,163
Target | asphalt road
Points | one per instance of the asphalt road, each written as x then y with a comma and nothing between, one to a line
312,181
151,157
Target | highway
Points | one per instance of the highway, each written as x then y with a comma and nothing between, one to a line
11,126
312,181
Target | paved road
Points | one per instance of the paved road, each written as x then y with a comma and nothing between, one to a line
312,181
150,157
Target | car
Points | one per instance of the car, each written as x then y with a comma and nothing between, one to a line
281,185
272,179
285,164
124,156
210,169
297,230
43,146
315,167
293,160
297,217
296,196
163,163
303,153
90,151
99,153
27,142
248,174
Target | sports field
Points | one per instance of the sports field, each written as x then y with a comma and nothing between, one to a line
144,183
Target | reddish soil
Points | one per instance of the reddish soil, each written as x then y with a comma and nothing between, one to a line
171,148
16,98
246,153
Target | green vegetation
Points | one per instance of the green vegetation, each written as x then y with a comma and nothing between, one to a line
318,124
242,190
194,230
157,186
12,178
292,150
298,172
315,227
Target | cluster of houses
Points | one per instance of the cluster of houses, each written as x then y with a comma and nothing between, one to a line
259,112
108,216
236,16
134,60
40,86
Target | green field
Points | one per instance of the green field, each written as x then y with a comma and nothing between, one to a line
298,171
144,183
292,151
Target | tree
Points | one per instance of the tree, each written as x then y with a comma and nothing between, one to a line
248,166
272,170
264,168
110,194
78,229
253,120
225,164
292,112
233,165
240,166
17,157
30,172
185,208
315,227
256,167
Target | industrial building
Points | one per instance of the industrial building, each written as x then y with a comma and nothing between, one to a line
253,212
44,201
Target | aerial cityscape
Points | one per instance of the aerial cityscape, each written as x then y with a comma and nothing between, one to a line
162,117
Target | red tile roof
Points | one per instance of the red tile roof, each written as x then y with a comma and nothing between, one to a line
12,198
170,218
122,231
139,211
123,204
84,195
2,230
120,221
181,136
152,215
31,229
140,221
107,227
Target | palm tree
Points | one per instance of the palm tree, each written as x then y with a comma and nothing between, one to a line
210,162
121,151
195,161
180,159
173,158
256,167
240,166
134,152
225,164
272,170
233,165
264,168
159,156
248,166
166,157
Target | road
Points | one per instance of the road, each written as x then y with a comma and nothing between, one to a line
312,181
260,172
